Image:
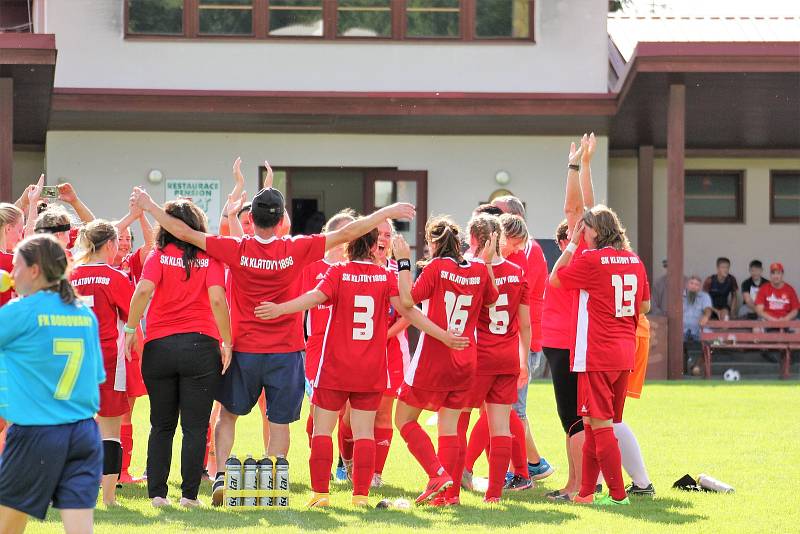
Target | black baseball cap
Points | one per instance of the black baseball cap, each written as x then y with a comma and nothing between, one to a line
268,201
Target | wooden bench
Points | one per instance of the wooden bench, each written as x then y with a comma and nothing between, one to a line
751,335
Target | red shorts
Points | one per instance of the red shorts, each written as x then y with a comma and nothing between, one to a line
433,400
113,403
334,399
494,389
134,383
601,394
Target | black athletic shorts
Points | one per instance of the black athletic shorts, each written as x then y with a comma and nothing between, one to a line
565,387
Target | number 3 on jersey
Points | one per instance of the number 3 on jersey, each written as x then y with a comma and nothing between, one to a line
367,304
624,294
456,309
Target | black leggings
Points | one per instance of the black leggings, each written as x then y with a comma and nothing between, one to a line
565,387
182,373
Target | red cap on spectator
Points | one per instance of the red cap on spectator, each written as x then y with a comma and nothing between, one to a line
776,267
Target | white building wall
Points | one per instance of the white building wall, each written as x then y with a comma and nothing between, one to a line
104,166
756,238
570,55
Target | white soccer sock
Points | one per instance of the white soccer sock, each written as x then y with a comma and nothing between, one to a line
632,459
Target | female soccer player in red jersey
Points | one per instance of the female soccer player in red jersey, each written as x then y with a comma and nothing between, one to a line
613,292
182,362
353,364
11,227
503,339
108,292
452,291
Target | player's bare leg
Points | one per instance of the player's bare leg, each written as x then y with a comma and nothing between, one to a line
12,521
575,457
109,430
224,434
77,521
262,404
211,465
278,439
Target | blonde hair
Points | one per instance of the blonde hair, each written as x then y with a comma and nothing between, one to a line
93,236
610,232
514,227
481,227
9,214
513,205
346,216
445,234
52,217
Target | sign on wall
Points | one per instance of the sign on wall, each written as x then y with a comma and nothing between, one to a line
204,193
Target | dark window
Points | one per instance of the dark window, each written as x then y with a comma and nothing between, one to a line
714,196
502,19
155,17
226,17
784,195
465,20
364,18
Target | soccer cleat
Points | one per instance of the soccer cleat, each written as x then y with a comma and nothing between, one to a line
491,500
436,485
466,481
589,499
377,481
557,496
540,470
633,489
361,501
126,478
607,500
320,500
441,500
341,473
518,483
190,503
160,502
218,490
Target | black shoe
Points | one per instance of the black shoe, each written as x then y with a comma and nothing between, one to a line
598,488
518,483
633,489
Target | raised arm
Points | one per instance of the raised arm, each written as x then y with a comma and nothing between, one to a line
566,255
34,193
148,237
588,147
573,199
232,215
306,301
487,255
416,318
357,228
66,193
403,252
173,225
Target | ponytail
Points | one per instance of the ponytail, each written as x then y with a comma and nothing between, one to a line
443,236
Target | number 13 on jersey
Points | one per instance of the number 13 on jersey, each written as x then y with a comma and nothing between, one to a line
625,287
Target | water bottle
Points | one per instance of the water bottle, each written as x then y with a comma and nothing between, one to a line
282,479
233,475
250,478
265,480
712,484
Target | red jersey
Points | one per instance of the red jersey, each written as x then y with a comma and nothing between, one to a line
265,270
559,312
6,263
533,263
777,302
498,329
316,317
612,284
354,350
452,295
133,265
397,346
108,292
179,305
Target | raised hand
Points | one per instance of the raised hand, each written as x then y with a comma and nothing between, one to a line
577,233
238,177
35,192
267,311
400,247
400,210
270,176
235,204
574,154
140,199
588,148
67,193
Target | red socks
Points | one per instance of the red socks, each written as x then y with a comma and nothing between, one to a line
126,439
421,447
320,463
590,468
363,465
383,440
499,456
478,441
310,428
448,455
610,460
454,491
519,451
345,440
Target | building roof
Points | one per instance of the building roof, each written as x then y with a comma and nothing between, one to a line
626,31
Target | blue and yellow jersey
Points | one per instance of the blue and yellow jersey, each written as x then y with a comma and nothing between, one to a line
50,361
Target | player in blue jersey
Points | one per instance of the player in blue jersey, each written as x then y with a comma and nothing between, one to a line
51,366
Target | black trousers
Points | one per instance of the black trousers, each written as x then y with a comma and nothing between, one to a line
182,373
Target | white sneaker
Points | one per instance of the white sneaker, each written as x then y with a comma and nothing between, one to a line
190,503
160,502
377,481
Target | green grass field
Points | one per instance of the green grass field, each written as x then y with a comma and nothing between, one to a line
745,434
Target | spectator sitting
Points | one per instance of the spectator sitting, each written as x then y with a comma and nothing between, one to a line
697,311
750,289
723,289
777,300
